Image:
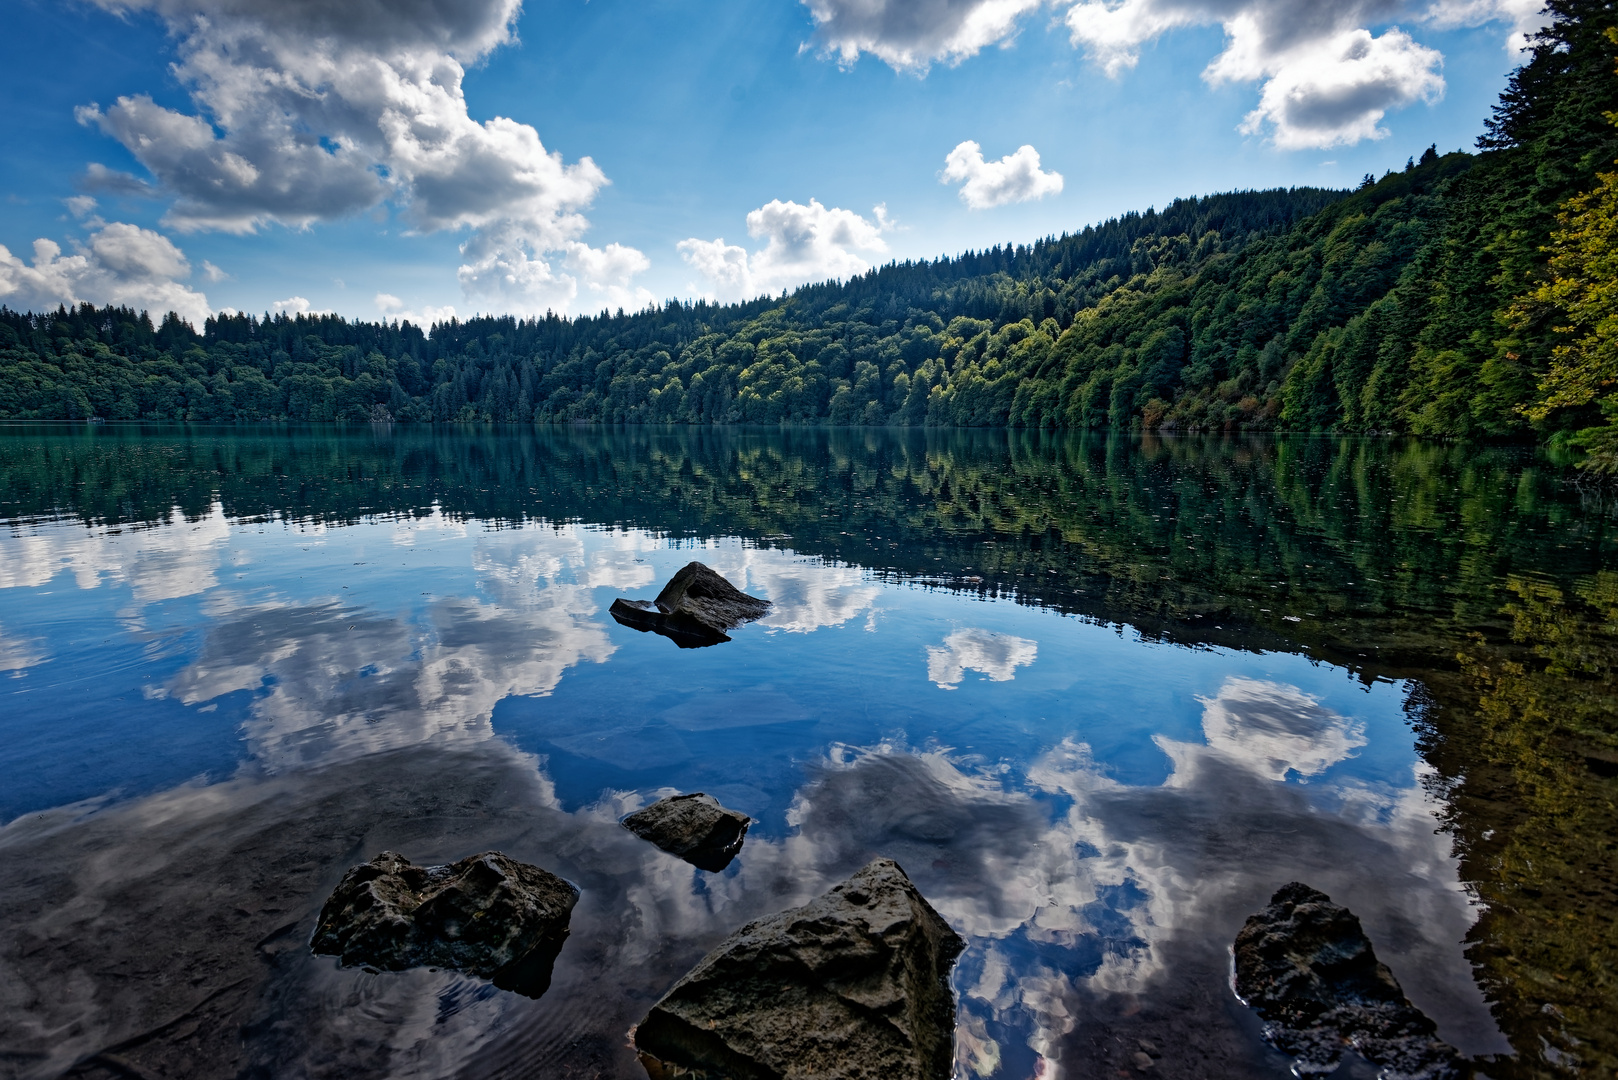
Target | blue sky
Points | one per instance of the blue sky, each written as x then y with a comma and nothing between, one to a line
420,157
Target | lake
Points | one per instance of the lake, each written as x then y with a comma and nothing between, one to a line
1099,695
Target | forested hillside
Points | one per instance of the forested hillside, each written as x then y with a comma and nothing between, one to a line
1466,295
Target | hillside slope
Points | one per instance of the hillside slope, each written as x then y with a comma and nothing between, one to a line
1426,302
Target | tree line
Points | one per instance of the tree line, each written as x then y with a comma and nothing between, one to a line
1467,295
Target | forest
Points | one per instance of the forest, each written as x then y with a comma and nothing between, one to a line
1468,295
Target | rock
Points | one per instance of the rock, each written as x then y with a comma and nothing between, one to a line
694,827
1305,965
695,608
851,986
487,915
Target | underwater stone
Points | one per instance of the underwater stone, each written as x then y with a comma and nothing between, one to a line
1305,966
488,915
695,608
853,985
694,827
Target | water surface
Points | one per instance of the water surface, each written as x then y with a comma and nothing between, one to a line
1099,696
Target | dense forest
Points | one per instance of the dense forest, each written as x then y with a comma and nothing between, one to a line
1468,295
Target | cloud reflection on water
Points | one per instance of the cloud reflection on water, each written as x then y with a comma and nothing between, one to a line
994,655
332,679
162,563
1075,889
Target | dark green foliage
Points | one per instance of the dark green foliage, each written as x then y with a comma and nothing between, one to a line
873,350
1383,309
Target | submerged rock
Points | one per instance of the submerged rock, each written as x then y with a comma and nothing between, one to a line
852,986
695,608
487,915
694,827
1305,965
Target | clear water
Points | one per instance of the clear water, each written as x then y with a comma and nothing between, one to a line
218,694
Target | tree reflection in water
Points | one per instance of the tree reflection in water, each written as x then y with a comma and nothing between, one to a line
1476,572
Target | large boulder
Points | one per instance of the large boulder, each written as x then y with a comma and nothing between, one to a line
696,608
487,915
853,985
1305,965
694,827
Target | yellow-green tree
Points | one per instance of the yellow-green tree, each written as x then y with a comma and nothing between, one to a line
1582,298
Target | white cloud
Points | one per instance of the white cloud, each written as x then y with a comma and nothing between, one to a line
804,244
910,34
308,112
1014,178
118,263
1525,16
996,656
393,308
1327,80
80,206
213,273
1335,92
298,305
98,177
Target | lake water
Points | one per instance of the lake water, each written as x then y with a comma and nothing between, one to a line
1099,696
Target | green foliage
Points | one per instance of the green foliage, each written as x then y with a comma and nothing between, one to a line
1406,305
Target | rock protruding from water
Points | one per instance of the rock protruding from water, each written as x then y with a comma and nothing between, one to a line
1305,965
853,985
694,827
487,915
695,609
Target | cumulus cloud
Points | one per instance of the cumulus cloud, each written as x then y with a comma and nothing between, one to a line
1526,17
994,655
1014,178
394,308
118,263
1335,92
910,34
803,244
98,177
1327,80
307,112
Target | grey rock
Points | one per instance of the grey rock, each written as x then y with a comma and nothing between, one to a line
694,827
853,985
1305,966
488,915
695,609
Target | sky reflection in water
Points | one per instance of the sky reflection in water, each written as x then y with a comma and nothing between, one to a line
1095,812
